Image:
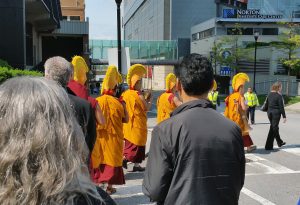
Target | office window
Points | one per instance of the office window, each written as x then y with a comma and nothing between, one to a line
270,31
75,18
247,31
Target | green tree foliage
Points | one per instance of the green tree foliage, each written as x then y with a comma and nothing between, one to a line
231,43
289,42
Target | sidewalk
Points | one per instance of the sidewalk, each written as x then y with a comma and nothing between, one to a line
293,108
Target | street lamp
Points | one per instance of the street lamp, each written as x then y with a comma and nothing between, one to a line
256,35
118,2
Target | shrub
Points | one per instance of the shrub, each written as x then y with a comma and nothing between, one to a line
6,73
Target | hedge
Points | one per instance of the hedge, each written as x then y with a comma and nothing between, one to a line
6,73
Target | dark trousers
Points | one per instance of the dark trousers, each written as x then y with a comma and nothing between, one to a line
251,112
274,118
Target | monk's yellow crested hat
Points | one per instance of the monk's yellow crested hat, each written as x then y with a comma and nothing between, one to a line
80,69
170,81
135,73
111,79
215,85
238,80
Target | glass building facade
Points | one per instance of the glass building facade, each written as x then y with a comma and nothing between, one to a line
166,50
287,8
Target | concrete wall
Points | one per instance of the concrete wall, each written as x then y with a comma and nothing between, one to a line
159,75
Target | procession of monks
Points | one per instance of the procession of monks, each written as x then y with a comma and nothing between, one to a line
122,120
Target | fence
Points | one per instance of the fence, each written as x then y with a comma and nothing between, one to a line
264,87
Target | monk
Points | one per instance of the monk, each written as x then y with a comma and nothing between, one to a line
167,102
135,131
78,86
107,155
236,108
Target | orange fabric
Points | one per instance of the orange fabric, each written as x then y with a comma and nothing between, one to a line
109,144
232,111
164,107
135,131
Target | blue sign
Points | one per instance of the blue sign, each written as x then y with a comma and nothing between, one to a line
225,71
229,13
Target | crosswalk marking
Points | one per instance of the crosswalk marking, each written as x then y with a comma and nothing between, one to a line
256,197
267,166
292,150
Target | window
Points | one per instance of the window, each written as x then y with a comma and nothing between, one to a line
75,18
203,34
65,18
270,31
247,31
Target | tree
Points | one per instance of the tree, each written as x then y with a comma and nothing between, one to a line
231,44
289,43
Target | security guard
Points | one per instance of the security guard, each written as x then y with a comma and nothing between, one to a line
213,96
252,102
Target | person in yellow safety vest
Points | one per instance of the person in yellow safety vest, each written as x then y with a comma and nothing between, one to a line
252,102
213,96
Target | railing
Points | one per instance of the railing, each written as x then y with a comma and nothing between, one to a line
264,87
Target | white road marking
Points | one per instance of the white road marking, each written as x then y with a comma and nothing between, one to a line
267,166
293,150
256,197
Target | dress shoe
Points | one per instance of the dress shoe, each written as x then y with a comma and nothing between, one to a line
283,143
138,169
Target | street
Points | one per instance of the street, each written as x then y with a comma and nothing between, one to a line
272,177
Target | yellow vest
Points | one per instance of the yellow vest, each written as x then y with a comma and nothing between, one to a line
213,97
251,99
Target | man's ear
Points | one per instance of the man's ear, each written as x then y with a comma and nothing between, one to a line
178,85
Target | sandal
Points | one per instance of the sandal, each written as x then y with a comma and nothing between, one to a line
111,190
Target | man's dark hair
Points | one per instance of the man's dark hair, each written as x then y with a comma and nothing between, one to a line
195,73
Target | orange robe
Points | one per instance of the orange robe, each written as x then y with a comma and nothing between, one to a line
233,111
108,148
165,106
135,131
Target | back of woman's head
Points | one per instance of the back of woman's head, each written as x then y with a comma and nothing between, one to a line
42,147
276,86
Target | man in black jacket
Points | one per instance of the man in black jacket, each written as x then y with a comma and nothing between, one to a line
197,156
60,70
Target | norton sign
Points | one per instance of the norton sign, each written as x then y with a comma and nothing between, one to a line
248,14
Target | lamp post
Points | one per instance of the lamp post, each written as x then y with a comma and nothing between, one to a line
256,35
118,2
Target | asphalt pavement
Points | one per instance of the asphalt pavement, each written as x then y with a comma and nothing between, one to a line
272,177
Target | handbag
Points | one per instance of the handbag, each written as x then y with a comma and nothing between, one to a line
264,107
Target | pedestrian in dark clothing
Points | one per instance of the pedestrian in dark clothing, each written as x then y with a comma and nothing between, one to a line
60,70
275,111
196,156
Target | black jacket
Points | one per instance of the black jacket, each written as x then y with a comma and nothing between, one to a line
196,157
85,116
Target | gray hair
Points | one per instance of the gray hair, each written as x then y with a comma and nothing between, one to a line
58,69
42,147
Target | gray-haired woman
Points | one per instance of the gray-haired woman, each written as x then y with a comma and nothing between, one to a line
42,150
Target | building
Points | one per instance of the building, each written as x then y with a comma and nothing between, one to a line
73,36
34,30
21,23
262,16
73,10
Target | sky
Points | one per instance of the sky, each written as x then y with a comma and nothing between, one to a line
102,16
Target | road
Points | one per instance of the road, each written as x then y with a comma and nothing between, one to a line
272,177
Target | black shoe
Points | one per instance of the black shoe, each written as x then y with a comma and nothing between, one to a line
138,169
283,143
124,164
